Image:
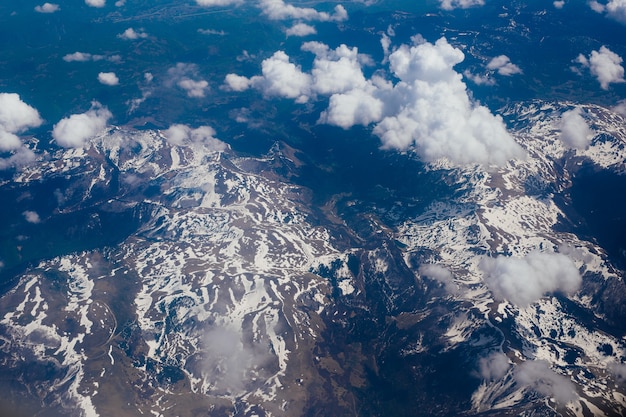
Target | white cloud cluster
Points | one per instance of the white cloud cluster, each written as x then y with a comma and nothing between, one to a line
185,77
523,281
620,107
460,4
279,10
75,130
15,117
503,65
575,132
300,29
558,4
86,56
95,3
132,34
615,9
108,78
538,376
428,110
280,78
180,135
605,65
47,8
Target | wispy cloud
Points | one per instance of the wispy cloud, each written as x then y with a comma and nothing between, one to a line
95,3
186,77
180,135
523,281
279,10
538,376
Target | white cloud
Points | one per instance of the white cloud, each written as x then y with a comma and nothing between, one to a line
214,3
538,376
19,157
108,78
180,135
236,82
212,32
86,56
479,79
120,3
81,57
428,110
75,130
132,34
502,64
280,78
185,76
278,10
523,281
95,3
615,9
47,8
596,7
31,217
494,366
440,274
15,117
300,29
620,108
558,4
575,133
460,4
605,65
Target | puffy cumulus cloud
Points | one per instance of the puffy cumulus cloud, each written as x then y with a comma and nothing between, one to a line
523,281
300,29
431,112
95,3
180,135
31,217
575,132
558,4
538,376
279,10
15,117
280,78
440,274
75,130
428,110
494,366
108,78
615,9
185,76
503,65
215,3
605,65
47,8
460,4
132,34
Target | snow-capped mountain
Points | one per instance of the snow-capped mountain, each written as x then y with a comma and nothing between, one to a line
184,279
